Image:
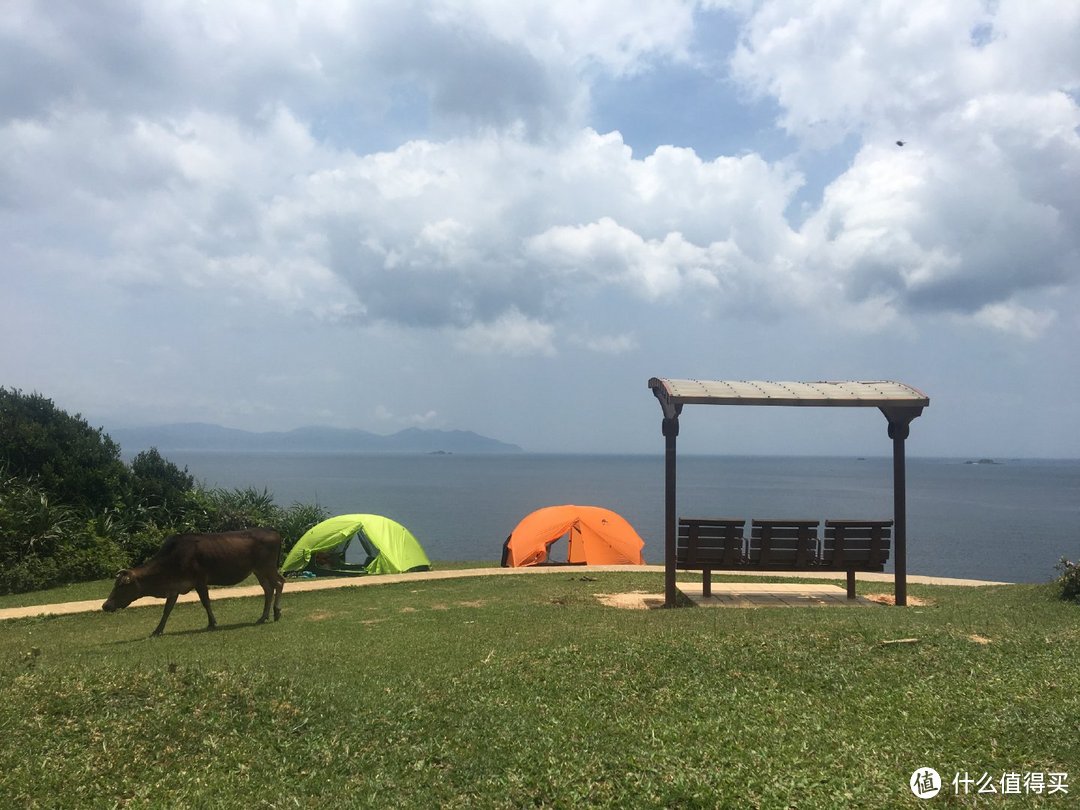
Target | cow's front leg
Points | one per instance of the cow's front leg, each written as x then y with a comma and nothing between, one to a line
204,597
164,616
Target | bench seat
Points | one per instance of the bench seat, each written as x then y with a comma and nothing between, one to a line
856,545
710,544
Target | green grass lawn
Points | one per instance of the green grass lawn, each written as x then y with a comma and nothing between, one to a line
524,691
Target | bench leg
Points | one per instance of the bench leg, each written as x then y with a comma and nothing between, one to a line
706,582
851,584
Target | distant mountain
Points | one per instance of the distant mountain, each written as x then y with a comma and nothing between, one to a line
199,436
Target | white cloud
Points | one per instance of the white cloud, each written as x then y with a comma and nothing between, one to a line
211,151
384,414
583,32
887,69
511,334
606,344
1013,319
981,206
418,190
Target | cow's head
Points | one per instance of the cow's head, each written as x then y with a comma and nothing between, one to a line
125,591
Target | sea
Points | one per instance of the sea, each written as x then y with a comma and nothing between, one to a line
1008,520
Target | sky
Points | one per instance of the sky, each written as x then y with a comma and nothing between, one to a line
507,217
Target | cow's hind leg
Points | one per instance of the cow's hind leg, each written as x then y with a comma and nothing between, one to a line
268,595
279,588
165,616
204,597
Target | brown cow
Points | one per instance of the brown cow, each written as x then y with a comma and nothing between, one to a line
187,561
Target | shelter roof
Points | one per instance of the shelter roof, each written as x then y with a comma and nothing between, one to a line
871,394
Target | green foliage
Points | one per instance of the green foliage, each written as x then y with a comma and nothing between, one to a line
1069,581
293,522
43,543
31,522
70,510
77,465
222,510
160,485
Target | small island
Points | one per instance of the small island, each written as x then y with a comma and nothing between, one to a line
983,461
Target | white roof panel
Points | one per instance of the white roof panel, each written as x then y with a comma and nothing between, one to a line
855,393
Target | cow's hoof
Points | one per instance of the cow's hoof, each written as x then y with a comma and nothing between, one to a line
261,621
210,627
277,615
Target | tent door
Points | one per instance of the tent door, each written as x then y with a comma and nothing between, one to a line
577,545
360,550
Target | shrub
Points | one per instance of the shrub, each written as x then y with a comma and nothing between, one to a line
1069,581
89,557
70,510
159,485
143,544
79,557
296,520
77,465
223,510
31,522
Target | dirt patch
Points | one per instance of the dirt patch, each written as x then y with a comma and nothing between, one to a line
408,610
634,600
890,599
476,603
372,621
320,616
979,639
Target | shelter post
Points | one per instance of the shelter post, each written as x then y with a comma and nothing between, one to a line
899,429
671,431
898,433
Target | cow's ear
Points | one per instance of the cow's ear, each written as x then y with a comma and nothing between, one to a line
123,577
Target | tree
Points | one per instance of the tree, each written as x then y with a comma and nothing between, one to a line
74,463
158,483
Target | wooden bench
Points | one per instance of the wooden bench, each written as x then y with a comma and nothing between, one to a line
712,544
855,545
707,543
788,545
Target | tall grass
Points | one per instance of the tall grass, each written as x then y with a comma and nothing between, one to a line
524,691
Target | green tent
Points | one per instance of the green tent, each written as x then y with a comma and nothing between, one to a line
388,546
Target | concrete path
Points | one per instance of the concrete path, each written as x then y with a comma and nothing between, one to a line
302,585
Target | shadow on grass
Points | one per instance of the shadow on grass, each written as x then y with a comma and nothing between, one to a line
198,631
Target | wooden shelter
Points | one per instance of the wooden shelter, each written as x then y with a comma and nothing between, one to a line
900,404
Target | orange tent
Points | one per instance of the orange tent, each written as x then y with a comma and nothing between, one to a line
597,537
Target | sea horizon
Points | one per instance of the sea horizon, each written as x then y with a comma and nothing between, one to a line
1011,520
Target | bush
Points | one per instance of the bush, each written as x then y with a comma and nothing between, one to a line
77,465
31,522
1069,581
143,544
82,556
220,510
159,485
224,510
296,520
70,510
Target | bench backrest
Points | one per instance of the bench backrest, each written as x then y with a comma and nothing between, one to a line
862,544
783,543
706,542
